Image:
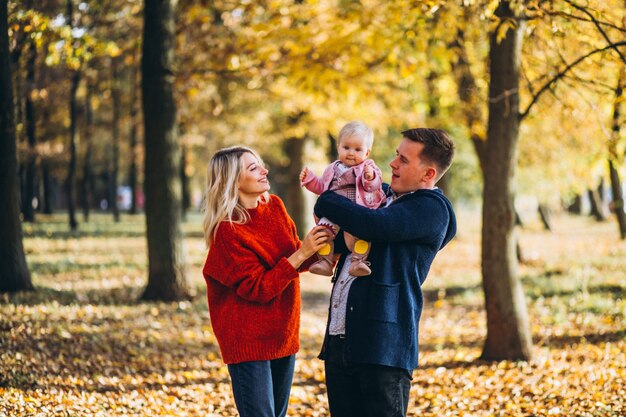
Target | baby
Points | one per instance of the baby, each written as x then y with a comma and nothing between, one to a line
355,177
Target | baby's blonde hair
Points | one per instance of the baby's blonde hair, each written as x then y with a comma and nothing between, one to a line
221,197
359,129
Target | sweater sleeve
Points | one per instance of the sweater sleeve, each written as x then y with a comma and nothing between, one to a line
234,265
294,234
420,218
375,183
313,183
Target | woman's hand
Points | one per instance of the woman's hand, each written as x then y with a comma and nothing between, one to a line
313,241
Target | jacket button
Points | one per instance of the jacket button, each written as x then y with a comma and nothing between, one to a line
351,308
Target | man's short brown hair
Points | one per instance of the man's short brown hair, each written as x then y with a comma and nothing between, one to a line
438,146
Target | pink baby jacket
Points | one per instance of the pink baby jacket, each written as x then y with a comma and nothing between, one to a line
368,193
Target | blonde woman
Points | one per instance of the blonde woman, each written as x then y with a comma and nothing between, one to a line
252,277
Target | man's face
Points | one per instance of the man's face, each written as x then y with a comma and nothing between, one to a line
409,171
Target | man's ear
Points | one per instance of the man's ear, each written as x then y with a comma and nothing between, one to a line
431,174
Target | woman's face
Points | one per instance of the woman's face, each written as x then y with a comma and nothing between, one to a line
253,178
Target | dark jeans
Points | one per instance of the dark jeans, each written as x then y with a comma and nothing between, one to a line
261,388
356,389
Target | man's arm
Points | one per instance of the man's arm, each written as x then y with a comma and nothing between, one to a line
422,218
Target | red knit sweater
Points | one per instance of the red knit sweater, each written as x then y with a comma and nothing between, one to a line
253,292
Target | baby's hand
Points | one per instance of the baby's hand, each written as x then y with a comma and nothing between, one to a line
304,173
368,173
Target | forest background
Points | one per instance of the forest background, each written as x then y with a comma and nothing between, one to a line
117,106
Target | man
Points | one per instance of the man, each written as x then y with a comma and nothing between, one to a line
370,348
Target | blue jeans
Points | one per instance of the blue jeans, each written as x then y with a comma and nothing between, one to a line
261,388
364,390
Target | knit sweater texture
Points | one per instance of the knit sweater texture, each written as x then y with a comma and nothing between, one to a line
253,291
384,309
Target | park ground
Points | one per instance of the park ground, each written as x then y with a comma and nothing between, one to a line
83,345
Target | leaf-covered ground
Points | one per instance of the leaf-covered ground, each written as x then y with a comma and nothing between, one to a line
82,345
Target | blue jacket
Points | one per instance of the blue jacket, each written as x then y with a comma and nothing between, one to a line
384,308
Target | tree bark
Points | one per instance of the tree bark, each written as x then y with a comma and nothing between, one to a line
166,276
30,180
576,207
14,273
618,199
184,179
18,92
615,160
332,152
46,184
295,202
71,171
545,216
85,194
468,94
597,205
132,175
434,111
116,101
508,329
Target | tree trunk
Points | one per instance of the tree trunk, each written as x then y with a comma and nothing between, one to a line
14,273
577,205
434,111
184,180
468,94
332,152
71,171
166,275
508,329
618,200
294,196
115,140
85,194
597,205
615,160
132,175
518,219
47,187
546,218
18,105
17,90
30,180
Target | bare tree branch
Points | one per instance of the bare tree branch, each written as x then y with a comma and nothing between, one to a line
597,24
562,73
570,16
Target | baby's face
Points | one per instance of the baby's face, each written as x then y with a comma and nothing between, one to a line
352,150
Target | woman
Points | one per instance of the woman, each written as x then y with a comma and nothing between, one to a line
252,278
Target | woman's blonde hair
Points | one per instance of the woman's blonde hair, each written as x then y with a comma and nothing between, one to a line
221,198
